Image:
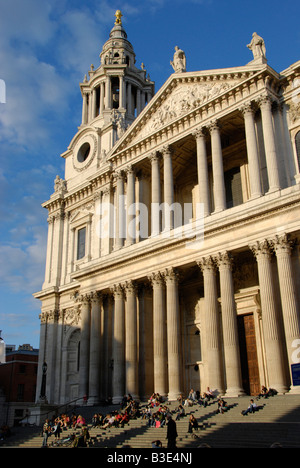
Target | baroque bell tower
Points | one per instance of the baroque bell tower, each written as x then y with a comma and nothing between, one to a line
117,91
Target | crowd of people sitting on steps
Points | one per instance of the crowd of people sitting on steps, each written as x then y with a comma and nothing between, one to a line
156,412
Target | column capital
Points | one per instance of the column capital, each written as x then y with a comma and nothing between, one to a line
154,157
117,290
156,279
214,125
247,108
224,260
207,264
200,132
261,248
130,287
95,296
129,170
166,150
171,275
282,244
118,175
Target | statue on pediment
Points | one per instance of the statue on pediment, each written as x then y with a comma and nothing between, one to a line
179,61
258,48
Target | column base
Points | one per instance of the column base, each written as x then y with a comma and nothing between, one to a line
294,390
234,392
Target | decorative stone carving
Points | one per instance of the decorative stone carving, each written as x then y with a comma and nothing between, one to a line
258,48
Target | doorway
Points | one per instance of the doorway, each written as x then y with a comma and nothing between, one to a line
248,354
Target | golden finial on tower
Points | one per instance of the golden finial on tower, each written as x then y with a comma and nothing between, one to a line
118,16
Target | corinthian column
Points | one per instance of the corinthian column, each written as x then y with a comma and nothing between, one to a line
159,335
155,195
131,228
95,350
218,171
270,318
203,181
174,368
120,211
252,151
290,309
168,189
118,345
212,325
269,142
131,354
230,330
84,345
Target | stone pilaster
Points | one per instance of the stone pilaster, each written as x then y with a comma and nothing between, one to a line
130,211
120,211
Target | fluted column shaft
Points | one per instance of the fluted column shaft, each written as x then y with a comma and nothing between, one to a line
270,318
212,325
230,329
95,350
203,180
84,346
155,195
131,228
269,142
174,367
131,355
218,171
252,152
120,211
159,335
168,189
118,345
290,308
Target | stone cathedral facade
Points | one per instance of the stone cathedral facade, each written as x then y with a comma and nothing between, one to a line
173,243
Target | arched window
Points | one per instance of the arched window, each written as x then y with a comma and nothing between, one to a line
297,143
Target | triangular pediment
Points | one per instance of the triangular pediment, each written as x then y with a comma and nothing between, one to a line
179,96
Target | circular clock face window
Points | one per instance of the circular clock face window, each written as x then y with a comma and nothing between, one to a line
83,152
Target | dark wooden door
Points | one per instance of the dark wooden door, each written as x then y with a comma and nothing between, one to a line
249,363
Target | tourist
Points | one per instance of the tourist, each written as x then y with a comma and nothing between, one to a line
251,408
171,432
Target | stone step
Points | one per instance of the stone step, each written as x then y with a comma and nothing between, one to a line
277,420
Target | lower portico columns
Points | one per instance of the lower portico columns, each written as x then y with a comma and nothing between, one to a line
159,335
229,323
174,367
290,310
270,319
95,350
84,345
131,354
212,324
118,345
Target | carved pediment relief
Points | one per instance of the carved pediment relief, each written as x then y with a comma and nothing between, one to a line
183,99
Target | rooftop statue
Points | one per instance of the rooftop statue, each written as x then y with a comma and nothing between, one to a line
257,46
179,61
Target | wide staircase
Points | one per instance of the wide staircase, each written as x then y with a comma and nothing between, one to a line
277,421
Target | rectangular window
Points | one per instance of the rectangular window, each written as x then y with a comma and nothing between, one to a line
81,240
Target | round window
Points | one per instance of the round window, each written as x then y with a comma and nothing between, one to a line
83,152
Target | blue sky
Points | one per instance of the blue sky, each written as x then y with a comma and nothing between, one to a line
46,48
